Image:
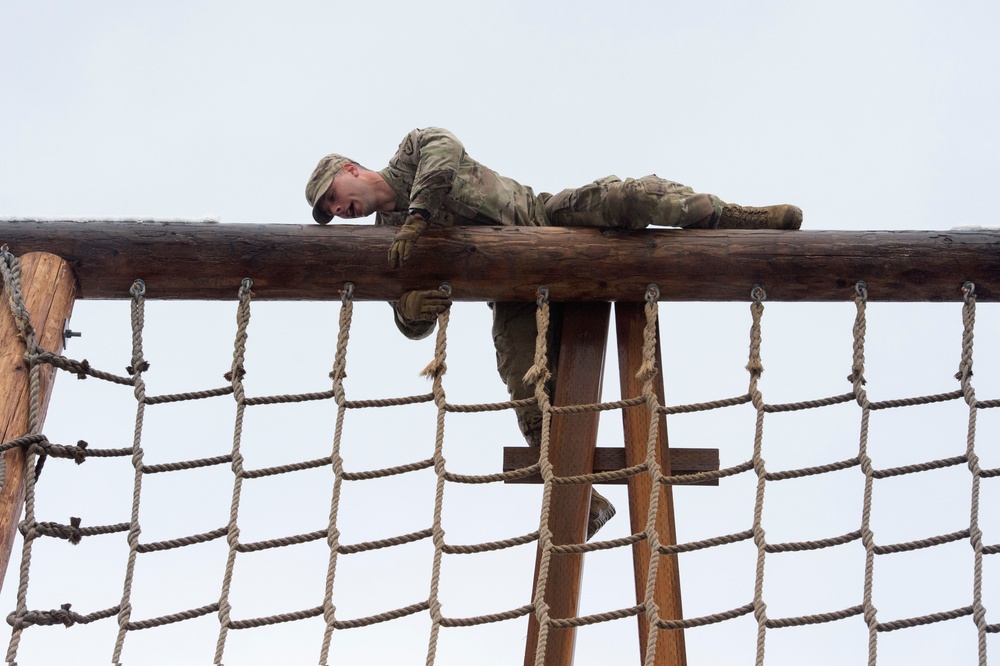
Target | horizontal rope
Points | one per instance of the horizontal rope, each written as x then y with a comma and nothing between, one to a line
289,398
490,406
922,543
72,532
819,618
919,467
705,406
81,369
280,542
493,478
63,616
173,618
487,619
601,477
489,546
924,619
584,620
389,402
706,543
810,471
277,619
912,402
181,397
706,619
284,469
597,406
187,464
796,546
711,475
389,471
170,544
592,546
808,404
385,543
382,617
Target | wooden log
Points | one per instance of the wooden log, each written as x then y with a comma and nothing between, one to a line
49,290
630,321
311,262
611,458
572,440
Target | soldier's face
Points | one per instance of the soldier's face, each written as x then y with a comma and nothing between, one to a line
349,195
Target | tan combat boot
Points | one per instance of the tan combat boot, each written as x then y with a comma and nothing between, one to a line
764,217
601,511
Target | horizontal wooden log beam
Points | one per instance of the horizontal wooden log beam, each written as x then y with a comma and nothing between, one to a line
206,261
610,459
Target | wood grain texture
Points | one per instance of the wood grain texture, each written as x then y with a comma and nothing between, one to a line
49,291
311,262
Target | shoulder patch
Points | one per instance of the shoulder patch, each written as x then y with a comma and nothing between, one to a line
408,146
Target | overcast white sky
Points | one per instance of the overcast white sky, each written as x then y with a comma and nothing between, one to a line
868,115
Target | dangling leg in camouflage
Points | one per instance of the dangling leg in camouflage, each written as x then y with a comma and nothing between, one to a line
514,334
635,203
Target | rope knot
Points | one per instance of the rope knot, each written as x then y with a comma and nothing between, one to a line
80,452
141,366
240,373
535,374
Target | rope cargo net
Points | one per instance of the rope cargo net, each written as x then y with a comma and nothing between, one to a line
330,623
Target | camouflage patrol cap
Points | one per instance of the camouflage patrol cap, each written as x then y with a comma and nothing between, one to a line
319,183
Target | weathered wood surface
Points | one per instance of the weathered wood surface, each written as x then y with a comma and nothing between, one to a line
630,324
573,438
181,260
49,296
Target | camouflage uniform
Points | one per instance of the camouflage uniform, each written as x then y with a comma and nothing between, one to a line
431,171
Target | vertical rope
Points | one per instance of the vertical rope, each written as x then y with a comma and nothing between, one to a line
235,375
975,533
139,365
436,371
647,371
756,367
337,462
10,267
857,378
538,374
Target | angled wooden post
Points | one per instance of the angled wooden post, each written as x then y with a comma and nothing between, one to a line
49,290
572,440
630,320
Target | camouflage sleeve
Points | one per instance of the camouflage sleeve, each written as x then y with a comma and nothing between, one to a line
437,155
414,330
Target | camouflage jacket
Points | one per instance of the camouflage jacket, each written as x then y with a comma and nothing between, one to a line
432,171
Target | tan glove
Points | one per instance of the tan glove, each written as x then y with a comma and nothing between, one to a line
423,305
405,238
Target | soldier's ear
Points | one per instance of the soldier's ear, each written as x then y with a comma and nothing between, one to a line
351,169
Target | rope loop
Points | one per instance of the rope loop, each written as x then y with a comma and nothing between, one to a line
246,284
652,293
861,290
758,294
968,291
138,289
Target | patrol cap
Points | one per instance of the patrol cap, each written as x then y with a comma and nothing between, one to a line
319,183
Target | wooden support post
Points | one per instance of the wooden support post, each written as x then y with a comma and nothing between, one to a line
630,321
572,440
49,291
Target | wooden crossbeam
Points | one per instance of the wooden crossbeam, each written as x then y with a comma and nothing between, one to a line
611,458
202,261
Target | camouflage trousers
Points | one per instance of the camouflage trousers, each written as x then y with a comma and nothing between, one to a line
633,203
608,203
